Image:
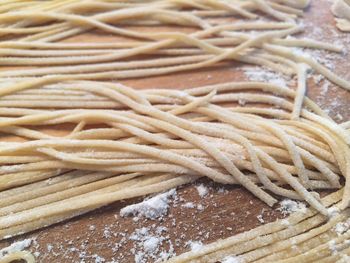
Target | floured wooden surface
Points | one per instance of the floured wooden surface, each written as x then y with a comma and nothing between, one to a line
191,218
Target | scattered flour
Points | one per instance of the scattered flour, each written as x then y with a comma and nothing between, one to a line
152,208
98,259
16,246
200,207
264,75
195,246
188,205
49,247
333,211
342,227
107,232
231,259
332,246
261,219
289,206
150,243
202,190
222,190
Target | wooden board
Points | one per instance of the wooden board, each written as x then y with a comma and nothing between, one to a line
226,210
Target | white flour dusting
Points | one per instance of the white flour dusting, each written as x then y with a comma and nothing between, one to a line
200,207
289,206
150,243
49,247
98,259
152,208
16,246
260,219
195,246
333,211
342,227
231,259
264,75
202,190
332,246
188,205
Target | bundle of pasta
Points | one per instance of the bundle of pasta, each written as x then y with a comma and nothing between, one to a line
127,143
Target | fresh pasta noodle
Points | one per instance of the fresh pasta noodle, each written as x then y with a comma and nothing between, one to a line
341,9
273,229
301,90
19,255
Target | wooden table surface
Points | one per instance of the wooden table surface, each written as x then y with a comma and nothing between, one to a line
104,236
